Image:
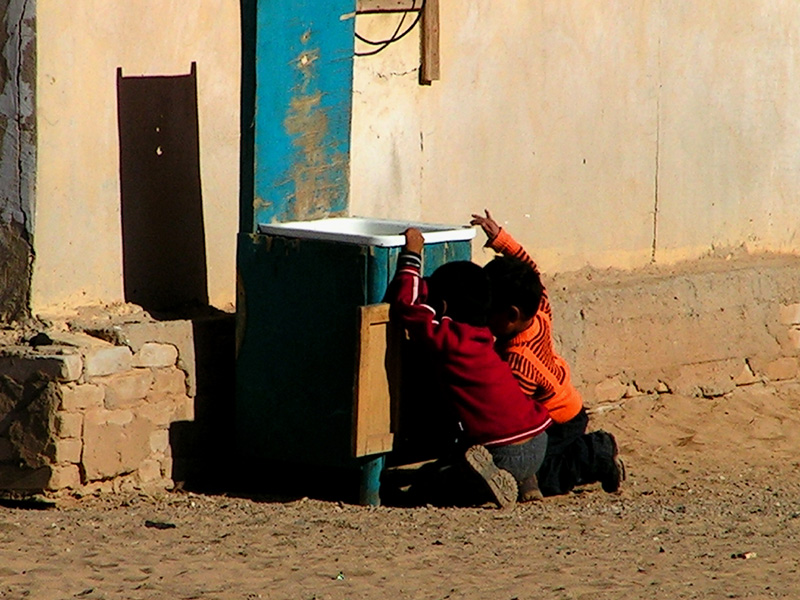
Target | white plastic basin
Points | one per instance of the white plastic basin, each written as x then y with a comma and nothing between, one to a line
365,231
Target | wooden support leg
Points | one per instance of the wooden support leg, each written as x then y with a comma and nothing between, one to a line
369,494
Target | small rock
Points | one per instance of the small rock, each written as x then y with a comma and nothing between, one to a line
159,525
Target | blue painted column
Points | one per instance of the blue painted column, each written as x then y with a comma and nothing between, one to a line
297,87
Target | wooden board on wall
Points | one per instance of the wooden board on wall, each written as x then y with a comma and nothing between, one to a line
429,43
377,379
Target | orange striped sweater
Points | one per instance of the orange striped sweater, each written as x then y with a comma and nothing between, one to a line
542,374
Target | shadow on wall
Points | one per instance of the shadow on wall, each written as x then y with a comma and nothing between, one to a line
163,236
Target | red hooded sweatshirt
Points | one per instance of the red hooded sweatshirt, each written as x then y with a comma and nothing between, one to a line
492,408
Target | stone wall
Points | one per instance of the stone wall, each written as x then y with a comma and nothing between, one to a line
106,400
698,329
81,412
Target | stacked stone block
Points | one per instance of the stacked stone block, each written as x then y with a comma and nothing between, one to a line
83,413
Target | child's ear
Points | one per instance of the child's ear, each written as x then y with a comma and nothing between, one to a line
514,314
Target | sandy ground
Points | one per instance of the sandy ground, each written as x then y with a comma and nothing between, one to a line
711,509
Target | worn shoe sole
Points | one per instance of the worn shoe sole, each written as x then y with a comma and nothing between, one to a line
500,482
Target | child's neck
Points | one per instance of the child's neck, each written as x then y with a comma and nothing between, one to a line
517,327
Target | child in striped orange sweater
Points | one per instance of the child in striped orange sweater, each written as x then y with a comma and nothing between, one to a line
521,321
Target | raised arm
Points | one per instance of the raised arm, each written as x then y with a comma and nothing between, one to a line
407,295
499,240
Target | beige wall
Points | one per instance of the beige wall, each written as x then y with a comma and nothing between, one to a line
730,122
81,44
575,120
571,120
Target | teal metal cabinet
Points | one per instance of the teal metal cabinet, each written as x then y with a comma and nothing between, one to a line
297,339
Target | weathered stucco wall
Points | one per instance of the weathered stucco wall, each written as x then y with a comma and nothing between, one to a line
17,155
81,44
729,119
603,134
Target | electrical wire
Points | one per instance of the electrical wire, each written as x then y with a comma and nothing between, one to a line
383,44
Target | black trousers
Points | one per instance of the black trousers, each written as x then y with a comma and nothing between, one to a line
573,456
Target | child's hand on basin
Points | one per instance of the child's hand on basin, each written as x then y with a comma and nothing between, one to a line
414,240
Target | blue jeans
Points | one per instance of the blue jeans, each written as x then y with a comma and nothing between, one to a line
521,460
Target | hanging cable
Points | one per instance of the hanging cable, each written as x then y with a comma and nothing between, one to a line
383,44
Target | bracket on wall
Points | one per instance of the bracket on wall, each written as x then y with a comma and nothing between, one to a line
429,70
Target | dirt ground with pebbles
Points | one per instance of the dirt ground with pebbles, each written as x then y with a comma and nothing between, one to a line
710,509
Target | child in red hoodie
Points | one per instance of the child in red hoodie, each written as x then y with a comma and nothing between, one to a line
445,317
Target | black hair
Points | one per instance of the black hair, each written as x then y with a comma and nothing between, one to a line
514,283
464,286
